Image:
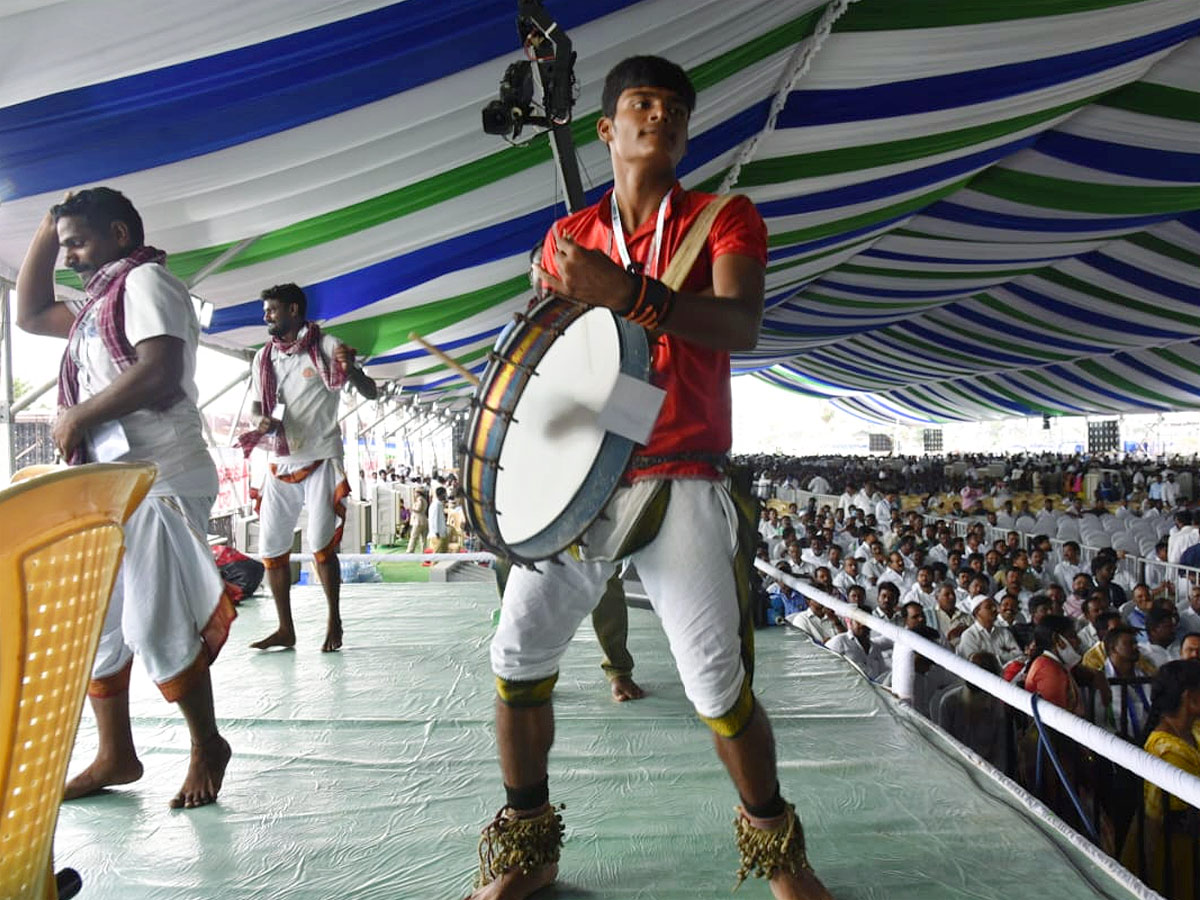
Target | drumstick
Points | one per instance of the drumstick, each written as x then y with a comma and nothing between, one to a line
446,358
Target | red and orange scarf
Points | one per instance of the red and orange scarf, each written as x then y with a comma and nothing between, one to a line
333,374
106,292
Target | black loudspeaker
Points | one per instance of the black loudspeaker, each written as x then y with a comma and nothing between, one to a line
1045,421
1104,436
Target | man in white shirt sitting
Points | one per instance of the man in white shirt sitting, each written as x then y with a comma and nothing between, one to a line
860,647
887,603
1065,571
1161,647
1189,646
923,591
1012,585
896,573
846,499
849,576
863,499
814,557
885,507
947,618
985,636
1189,616
818,621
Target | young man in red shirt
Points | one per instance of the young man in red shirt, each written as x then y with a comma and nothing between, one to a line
693,557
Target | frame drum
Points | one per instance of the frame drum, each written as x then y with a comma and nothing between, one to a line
538,467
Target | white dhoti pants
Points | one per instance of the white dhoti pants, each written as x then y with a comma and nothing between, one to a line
322,492
688,573
168,604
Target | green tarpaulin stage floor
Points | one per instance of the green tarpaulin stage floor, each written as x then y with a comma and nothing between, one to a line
368,773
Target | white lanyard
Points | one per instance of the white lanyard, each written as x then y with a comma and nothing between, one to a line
619,236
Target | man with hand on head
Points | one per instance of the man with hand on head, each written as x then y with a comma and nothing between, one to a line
298,376
127,391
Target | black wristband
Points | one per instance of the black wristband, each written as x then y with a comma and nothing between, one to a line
635,292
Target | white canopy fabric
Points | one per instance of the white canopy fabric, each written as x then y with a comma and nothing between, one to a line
977,208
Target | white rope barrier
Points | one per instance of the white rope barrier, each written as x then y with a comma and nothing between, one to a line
393,557
1151,768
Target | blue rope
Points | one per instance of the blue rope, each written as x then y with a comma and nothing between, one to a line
1044,743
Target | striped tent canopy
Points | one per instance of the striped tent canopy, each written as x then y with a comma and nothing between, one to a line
977,208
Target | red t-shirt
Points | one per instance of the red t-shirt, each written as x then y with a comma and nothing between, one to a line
696,415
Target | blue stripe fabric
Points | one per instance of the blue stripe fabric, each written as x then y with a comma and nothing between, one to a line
1121,159
875,189
952,211
1151,281
825,107
1091,316
182,111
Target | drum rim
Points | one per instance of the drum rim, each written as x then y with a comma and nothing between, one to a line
604,475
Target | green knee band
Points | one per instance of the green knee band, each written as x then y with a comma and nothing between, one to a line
734,722
526,693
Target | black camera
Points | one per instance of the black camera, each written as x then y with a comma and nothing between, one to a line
507,114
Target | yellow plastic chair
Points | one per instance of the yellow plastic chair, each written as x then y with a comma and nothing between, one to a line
60,545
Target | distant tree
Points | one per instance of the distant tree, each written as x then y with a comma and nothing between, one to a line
21,386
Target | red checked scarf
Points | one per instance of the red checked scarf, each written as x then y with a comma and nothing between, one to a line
332,373
106,292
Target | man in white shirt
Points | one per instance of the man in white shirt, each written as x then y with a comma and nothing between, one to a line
887,603
297,377
846,499
1012,585
1160,646
1185,535
1065,571
884,508
814,556
863,499
819,622
849,576
1189,616
1170,491
985,636
947,618
859,646
819,485
923,592
129,373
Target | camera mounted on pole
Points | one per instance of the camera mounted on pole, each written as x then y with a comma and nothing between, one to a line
548,71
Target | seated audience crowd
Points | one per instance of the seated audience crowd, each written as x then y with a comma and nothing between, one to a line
1074,613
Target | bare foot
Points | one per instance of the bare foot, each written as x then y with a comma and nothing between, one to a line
100,774
515,885
625,688
205,773
803,886
333,637
280,638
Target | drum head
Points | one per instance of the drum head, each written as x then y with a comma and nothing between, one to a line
550,450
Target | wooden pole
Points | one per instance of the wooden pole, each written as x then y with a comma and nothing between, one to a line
446,358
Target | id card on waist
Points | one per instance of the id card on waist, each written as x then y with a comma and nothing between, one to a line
108,441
